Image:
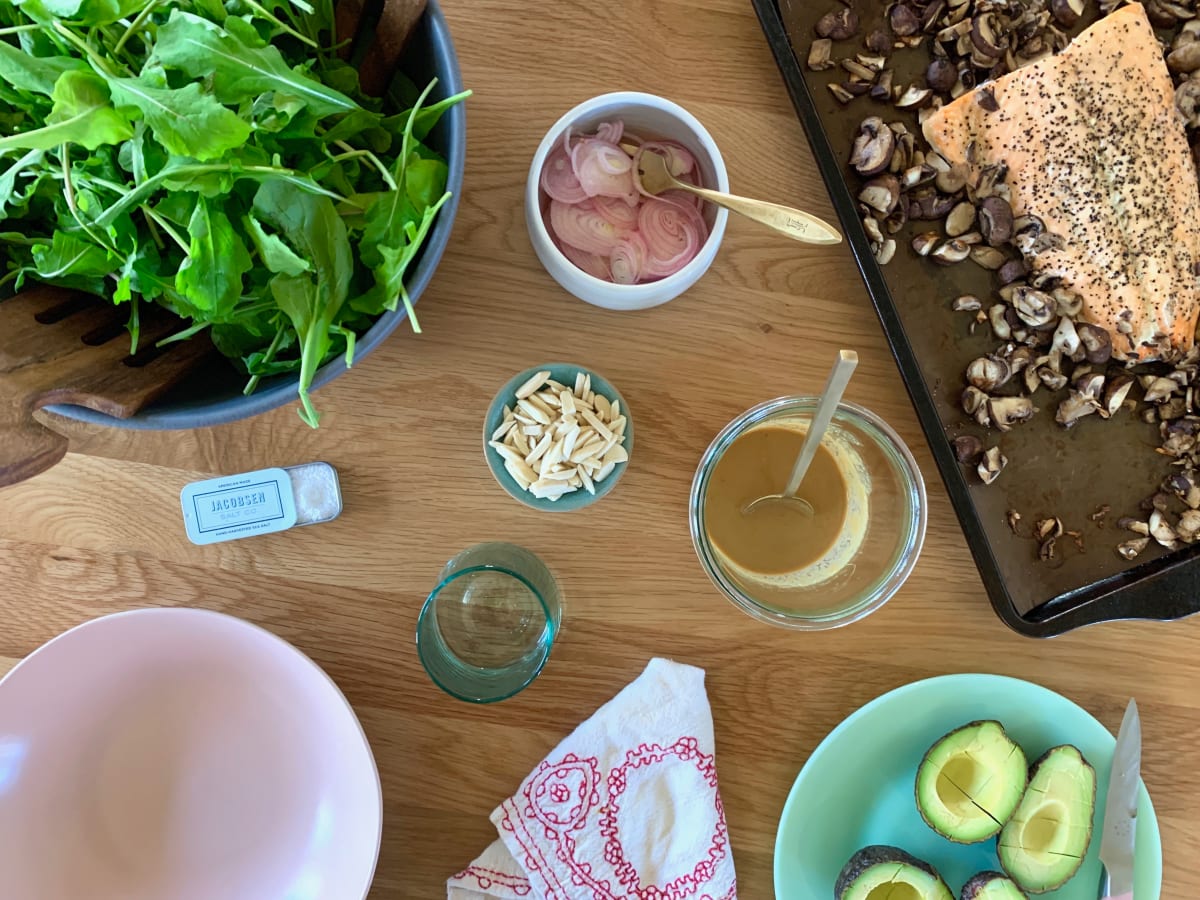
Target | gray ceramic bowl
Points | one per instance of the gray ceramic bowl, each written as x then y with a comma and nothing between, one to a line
565,374
214,396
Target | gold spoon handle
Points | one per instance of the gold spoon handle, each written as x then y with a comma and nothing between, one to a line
798,225
839,377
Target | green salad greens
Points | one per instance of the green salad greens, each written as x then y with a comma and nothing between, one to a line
216,157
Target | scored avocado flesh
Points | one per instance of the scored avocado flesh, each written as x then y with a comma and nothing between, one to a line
1044,843
991,886
970,782
881,872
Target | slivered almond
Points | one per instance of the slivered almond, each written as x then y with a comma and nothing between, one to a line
594,420
587,384
549,398
617,425
616,454
553,491
567,402
605,471
538,403
521,442
506,452
586,480
564,475
521,471
603,408
542,446
557,386
591,448
532,385
525,420
589,399
616,408
569,440
532,430
579,389
538,415
502,430
554,455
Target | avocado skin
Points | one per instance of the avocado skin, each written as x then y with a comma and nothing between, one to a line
976,885
916,785
874,855
1033,770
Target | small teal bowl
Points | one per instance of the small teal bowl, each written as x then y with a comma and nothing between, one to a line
564,373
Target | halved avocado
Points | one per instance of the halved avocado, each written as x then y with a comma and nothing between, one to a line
991,886
880,872
970,782
1044,843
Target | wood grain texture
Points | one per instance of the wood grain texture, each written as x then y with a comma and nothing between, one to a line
102,531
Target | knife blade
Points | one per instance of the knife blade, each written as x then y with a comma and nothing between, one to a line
1120,811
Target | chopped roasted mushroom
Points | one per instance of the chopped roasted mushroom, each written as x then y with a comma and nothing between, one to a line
903,20
950,252
1161,531
857,70
1100,515
881,193
973,399
1066,339
873,146
882,88
838,24
1188,526
840,93
995,220
1185,59
1187,101
1115,394
1050,527
1159,389
1074,408
967,448
988,257
1006,412
1013,270
819,53
999,322
1137,526
1090,385
924,243
988,373
885,251
1097,342
1033,306
961,219
952,180
1131,548
1077,538
991,465
913,97
941,75
967,303
1067,12
879,41
1014,519
872,228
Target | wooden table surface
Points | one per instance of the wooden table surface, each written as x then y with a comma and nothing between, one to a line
102,531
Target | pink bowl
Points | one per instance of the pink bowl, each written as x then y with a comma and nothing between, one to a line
176,754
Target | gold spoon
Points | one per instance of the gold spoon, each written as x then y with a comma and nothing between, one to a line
839,377
797,225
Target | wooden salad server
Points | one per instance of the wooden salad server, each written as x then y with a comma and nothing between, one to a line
64,346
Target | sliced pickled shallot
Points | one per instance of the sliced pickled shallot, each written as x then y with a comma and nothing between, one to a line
604,222
673,233
627,263
593,263
558,178
604,169
581,226
617,211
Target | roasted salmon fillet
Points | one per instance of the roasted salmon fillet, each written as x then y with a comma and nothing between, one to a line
1094,147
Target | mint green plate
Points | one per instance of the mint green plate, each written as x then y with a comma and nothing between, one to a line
857,787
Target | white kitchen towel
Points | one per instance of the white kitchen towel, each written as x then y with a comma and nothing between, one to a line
626,808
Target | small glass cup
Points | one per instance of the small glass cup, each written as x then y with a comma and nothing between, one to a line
891,538
486,630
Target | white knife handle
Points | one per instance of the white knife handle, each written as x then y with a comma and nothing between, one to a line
1128,895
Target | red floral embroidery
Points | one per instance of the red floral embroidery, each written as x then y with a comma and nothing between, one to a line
557,802
487,878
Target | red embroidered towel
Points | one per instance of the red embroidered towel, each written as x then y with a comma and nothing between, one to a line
626,808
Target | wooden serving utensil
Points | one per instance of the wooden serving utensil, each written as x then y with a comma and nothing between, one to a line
64,346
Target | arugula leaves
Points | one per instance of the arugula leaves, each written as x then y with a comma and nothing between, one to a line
218,158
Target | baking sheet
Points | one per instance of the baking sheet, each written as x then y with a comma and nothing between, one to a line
1051,470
